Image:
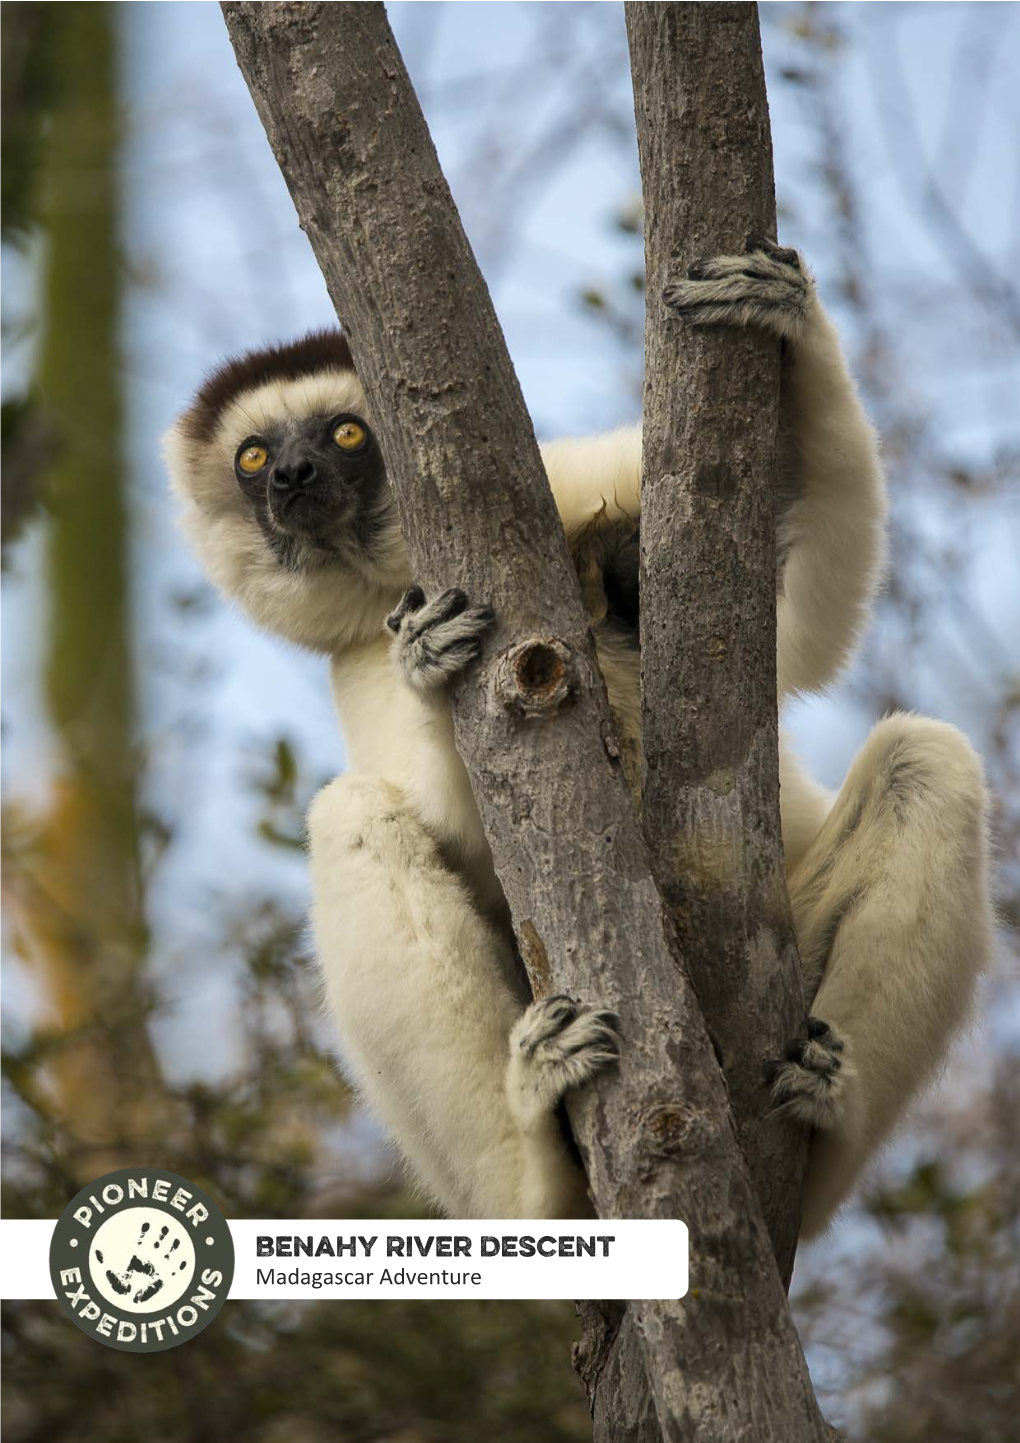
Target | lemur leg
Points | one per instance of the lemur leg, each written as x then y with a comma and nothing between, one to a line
416,981
832,500
892,911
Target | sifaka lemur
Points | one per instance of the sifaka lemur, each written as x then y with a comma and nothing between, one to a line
285,498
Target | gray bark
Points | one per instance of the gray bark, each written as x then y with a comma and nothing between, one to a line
532,722
708,572
708,637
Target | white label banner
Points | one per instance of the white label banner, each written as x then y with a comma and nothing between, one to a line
331,1258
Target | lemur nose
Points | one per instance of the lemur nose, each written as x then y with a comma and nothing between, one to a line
288,474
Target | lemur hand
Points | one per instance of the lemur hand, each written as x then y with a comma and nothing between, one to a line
437,639
767,288
813,1080
558,1044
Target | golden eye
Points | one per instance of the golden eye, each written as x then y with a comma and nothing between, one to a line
349,436
252,459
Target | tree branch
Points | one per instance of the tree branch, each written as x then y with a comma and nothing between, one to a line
532,723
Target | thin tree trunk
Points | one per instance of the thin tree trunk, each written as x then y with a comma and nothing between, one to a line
708,572
532,722
708,636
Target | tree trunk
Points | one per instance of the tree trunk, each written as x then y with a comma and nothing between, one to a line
532,722
708,572
708,636
79,903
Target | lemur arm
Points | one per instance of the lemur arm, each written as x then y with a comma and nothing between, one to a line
831,532
832,497
832,506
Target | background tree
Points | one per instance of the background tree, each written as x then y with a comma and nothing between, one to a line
79,911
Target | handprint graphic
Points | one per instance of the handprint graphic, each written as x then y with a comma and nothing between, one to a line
142,1259
142,1272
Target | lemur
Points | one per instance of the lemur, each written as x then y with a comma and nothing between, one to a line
285,498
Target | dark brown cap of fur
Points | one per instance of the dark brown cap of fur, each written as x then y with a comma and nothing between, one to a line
318,351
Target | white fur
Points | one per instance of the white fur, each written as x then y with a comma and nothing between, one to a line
888,879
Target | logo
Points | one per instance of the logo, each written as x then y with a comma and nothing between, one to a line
142,1260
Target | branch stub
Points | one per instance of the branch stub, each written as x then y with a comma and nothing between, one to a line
536,677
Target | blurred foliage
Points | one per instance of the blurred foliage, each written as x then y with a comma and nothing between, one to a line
358,1372
27,79
25,95
910,1326
939,1359
25,447
284,821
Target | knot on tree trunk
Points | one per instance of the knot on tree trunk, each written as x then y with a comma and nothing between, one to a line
674,1129
536,677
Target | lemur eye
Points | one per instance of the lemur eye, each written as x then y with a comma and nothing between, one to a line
349,436
252,459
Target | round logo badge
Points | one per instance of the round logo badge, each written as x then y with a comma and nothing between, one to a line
142,1259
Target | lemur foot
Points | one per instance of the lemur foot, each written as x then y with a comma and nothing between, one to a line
437,639
767,288
558,1044
812,1083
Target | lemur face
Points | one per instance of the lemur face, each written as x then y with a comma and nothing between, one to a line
285,493
316,486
